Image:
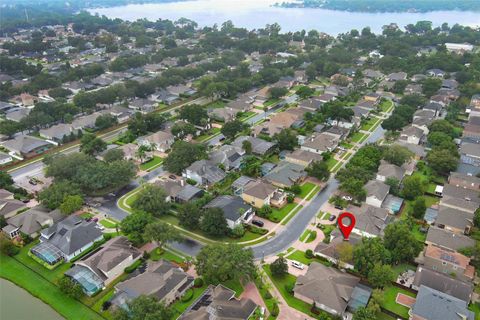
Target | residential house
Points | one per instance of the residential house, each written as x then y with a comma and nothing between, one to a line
326,97
280,121
459,204
219,302
57,132
388,170
303,157
370,221
418,77
142,105
411,134
66,239
234,209
464,181
98,270
181,90
30,222
377,191
5,158
17,114
162,280
189,193
470,154
259,146
160,141
286,174
259,193
331,250
453,191
27,146
225,114
320,143
454,220
417,150
164,96
447,239
447,261
443,283
397,76
459,48
373,74
435,107
312,104
230,157
238,186
413,88
8,205
326,288
471,130
204,173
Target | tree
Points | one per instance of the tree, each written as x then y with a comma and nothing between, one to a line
113,155
247,147
394,185
161,233
319,170
214,223
397,154
144,308
400,242
286,139
430,86
7,247
151,199
344,252
71,203
277,93
394,123
381,275
419,207
70,287
134,226
193,113
189,215
5,180
182,155
105,121
53,196
91,144
442,161
279,267
442,125
221,262
305,92
476,218
412,187
232,128
369,252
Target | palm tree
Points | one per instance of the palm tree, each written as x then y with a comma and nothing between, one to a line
142,152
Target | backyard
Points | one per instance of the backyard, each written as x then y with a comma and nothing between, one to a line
389,301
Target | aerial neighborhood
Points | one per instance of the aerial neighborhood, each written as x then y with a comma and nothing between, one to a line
159,170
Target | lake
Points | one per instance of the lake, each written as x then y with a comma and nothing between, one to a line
18,304
254,14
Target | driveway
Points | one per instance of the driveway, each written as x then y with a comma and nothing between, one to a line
251,292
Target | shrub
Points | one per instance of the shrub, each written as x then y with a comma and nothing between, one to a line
107,236
296,189
238,231
198,282
267,295
275,310
309,254
133,267
191,181
289,287
106,305
257,230
187,296
290,198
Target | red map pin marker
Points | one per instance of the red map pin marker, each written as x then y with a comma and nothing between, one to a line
346,222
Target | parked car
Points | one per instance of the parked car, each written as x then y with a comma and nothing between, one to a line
172,176
332,218
348,198
258,223
339,207
95,219
298,265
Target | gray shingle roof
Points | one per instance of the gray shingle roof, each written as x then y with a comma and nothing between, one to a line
233,207
435,305
448,239
443,283
377,189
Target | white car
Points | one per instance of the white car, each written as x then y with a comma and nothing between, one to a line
298,265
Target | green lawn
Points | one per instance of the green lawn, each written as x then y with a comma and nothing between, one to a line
346,145
386,105
299,256
247,115
357,137
158,254
429,201
288,280
151,164
109,224
305,189
369,124
86,215
208,135
475,307
292,215
39,287
278,214
331,162
389,296
304,235
398,269
216,104
179,306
